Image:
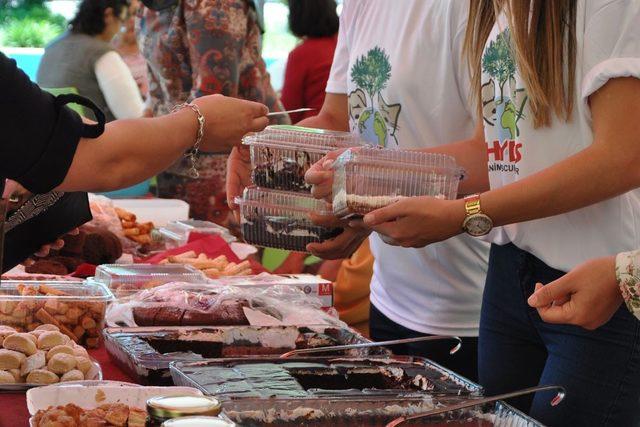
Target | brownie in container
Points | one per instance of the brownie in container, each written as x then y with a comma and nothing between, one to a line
281,155
282,220
366,179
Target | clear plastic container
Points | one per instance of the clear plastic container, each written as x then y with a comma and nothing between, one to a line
281,220
126,279
366,179
77,309
176,233
281,155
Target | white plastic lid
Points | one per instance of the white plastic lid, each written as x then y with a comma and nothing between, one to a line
309,139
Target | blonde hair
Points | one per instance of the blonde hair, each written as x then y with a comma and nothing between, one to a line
543,34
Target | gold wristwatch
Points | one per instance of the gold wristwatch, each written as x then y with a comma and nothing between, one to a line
476,223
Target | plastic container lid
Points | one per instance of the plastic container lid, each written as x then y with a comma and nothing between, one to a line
283,201
178,406
309,139
115,275
74,291
198,422
179,231
401,160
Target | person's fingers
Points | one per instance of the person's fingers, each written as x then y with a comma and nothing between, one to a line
44,251
326,220
258,109
358,224
57,245
558,290
335,248
318,176
259,124
74,232
557,313
385,214
28,262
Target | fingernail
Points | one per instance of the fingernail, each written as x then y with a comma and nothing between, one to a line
327,163
533,300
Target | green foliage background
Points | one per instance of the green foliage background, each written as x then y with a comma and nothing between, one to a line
28,23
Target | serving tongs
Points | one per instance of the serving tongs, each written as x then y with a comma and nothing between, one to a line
482,401
374,344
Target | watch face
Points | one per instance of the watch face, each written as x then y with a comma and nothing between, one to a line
477,225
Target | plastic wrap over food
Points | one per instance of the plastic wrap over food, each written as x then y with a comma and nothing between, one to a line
105,216
188,304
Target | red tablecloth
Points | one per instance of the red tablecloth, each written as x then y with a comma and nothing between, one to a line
13,407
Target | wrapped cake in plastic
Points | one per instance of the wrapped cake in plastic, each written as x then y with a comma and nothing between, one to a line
366,179
190,304
281,155
281,220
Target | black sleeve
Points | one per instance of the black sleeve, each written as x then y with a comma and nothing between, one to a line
39,134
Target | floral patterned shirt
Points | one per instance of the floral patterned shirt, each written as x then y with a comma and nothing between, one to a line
628,275
204,47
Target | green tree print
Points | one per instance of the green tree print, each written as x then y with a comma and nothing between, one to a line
372,72
498,61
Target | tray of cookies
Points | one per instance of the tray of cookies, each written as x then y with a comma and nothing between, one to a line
366,179
41,357
281,155
76,309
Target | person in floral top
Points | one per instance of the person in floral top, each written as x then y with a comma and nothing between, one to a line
195,48
591,293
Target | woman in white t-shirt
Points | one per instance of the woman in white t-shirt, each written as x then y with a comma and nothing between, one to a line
560,89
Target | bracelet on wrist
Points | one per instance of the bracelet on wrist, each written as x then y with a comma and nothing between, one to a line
192,154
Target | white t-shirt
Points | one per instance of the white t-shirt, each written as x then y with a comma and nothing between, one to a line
608,46
118,86
402,61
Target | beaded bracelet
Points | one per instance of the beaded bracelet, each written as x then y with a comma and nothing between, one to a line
192,154
628,275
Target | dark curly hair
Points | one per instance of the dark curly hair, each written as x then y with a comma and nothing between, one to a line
90,16
313,18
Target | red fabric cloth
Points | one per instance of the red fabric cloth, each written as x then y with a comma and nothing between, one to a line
15,405
306,75
211,246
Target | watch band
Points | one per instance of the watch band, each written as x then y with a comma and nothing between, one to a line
472,204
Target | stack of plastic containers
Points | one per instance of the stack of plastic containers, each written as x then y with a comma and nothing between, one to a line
176,233
275,213
366,179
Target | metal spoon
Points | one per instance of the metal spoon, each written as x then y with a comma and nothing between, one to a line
374,344
281,113
475,402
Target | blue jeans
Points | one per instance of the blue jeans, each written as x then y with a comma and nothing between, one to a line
600,369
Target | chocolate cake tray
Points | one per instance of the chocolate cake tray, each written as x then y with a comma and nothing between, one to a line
145,353
335,391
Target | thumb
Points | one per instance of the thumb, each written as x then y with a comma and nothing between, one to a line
546,295
382,215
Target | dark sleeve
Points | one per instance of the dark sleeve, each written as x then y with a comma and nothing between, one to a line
40,135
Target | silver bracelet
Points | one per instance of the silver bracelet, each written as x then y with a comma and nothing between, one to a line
195,150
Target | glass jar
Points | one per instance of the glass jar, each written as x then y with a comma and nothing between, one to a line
161,409
198,422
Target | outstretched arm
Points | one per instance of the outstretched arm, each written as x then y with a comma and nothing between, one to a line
131,151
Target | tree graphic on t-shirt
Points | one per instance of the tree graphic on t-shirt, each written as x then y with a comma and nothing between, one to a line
498,62
371,73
